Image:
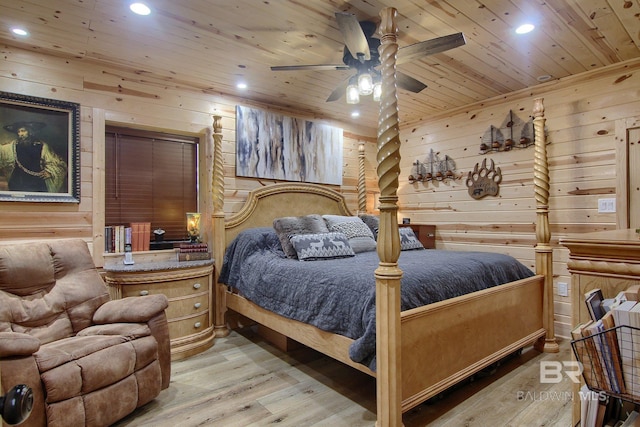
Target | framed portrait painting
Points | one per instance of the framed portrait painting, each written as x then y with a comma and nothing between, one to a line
39,149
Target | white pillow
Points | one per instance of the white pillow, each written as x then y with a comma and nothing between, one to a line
359,234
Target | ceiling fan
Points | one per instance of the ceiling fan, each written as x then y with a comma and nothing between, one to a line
361,54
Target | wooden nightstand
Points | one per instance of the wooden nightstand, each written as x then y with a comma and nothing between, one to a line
187,285
425,233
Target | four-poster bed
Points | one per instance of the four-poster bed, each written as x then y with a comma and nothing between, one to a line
418,351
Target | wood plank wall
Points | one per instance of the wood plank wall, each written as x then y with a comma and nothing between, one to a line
582,114
129,98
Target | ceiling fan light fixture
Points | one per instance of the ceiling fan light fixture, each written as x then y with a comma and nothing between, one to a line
365,83
377,91
353,96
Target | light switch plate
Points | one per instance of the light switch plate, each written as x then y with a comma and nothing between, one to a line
563,289
607,205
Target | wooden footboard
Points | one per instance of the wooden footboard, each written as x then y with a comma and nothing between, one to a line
445,342
442,343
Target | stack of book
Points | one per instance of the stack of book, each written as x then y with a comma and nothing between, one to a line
193,252
140,236
116,237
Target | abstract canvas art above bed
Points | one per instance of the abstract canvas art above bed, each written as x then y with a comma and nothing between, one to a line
275,146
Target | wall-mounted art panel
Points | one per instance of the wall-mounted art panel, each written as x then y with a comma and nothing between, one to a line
274,146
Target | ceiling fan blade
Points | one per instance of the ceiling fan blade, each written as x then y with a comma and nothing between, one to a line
408,83
354,37
309,67
429,47
339,91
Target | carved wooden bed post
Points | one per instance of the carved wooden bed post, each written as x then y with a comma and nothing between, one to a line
544,251
388,275
362,186
217,220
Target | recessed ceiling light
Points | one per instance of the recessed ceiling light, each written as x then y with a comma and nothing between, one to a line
525,28
241,85
355,114
19,32
543,78
140,8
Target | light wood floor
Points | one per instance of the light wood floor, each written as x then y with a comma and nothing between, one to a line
244,381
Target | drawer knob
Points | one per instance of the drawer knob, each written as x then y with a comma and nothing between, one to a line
144,293
197,305
196,285
197,325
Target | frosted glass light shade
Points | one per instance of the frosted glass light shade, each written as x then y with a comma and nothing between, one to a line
377,91
353,97
365,84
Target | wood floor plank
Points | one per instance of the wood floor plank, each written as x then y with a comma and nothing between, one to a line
244,381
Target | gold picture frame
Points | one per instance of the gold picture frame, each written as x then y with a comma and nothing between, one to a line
39,149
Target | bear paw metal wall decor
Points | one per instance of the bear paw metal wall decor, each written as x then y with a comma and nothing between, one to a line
484,181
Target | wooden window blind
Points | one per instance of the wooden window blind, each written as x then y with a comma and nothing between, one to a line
150,177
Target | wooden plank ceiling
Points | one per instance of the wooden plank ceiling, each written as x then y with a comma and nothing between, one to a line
210,45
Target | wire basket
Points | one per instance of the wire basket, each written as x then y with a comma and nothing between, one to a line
611,361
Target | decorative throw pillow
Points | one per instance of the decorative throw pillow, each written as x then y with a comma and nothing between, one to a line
359,234
408,240
310,247
292,225
373,222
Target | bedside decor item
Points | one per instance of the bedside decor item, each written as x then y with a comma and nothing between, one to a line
193,252
40,161
193,226
158,234
484,181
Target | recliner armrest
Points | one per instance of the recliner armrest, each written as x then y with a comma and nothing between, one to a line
130,309
14,344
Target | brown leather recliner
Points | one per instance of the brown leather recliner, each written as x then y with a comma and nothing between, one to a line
90,361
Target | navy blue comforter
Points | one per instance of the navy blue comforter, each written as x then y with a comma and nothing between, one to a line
339,295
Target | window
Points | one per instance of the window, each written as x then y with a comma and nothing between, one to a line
150,177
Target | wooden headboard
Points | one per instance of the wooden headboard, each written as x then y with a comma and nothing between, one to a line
286,199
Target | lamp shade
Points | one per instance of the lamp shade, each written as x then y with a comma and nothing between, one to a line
377,91
365,83
193,226
353,97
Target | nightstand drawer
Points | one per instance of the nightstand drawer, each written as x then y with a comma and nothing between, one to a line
189,325
172,289
186,306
